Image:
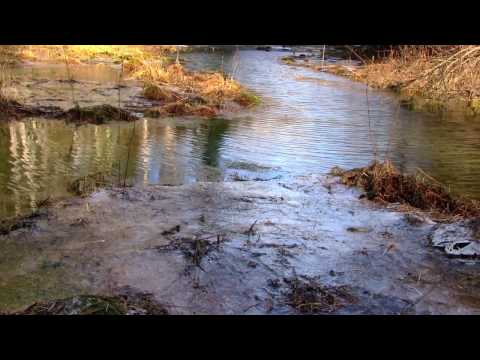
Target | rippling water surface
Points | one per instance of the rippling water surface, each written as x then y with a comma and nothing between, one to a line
308,122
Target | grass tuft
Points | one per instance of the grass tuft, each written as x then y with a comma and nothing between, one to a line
383,182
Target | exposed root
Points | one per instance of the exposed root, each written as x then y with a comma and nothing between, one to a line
181,108
12,224
11,109
383,182
99,114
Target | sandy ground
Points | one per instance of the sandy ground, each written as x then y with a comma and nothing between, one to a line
231,248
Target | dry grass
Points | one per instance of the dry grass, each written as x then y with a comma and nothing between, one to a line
439,73
87,53
9,105
179,91
185,91
383,182
445,75
10,54
7,88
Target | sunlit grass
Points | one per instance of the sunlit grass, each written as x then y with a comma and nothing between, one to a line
8,92
165,80
195,92
86,53
434,72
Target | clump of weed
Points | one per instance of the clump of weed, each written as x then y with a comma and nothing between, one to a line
310,297
86,185
186,92
383,182
128,303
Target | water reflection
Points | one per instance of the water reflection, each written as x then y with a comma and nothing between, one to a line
303,127
214,139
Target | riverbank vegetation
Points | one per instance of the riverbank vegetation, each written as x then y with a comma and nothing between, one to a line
439,73
383,182
442,77
186,92
165,80
78,54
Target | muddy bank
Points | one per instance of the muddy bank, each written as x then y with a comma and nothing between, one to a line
99,114
300,245
96,102
142,81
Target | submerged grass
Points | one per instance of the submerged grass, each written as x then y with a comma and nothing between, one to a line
86,185
383,182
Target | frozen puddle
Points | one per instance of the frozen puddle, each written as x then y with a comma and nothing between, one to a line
233,248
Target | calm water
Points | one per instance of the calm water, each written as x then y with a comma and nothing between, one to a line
308,123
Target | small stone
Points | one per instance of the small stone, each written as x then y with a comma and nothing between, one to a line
274,283
358,229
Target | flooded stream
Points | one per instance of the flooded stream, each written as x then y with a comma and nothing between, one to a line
252,198
308,123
